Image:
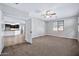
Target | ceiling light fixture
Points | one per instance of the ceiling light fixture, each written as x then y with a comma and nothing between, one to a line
48,13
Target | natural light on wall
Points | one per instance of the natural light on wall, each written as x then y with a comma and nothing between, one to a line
60,28
55,29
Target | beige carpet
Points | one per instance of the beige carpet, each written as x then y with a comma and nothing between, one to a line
45,46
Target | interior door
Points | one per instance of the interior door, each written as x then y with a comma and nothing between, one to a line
78,29
1,34
28,35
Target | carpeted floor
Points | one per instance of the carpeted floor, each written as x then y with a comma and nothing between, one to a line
44,46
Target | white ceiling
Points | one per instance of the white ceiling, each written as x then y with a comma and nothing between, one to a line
62,9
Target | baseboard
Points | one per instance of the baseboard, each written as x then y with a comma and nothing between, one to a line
29,43
62,36
57,36
38,36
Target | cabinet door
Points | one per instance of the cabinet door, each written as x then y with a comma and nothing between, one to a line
1,34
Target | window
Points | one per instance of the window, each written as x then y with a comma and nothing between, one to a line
58,25
54,26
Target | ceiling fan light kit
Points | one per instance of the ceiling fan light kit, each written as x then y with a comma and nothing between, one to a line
48,13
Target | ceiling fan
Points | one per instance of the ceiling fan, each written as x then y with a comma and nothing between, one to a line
48,13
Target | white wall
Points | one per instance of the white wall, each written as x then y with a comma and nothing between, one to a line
69,28
38,27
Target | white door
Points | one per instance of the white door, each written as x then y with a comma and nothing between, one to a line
1,34
78,29
28,36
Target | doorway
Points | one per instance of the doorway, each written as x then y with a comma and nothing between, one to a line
18,30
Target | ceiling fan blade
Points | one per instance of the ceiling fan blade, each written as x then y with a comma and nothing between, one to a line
16,3
53,14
